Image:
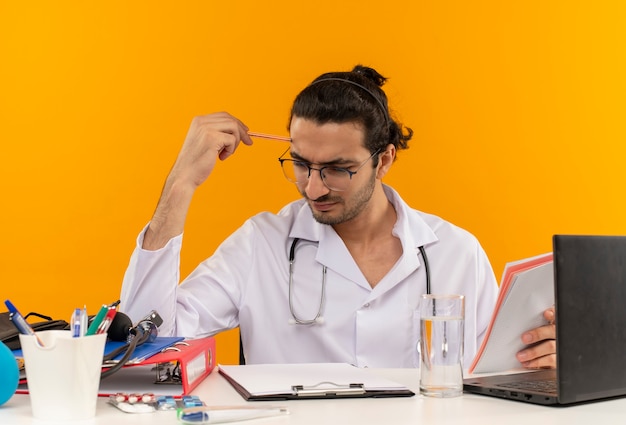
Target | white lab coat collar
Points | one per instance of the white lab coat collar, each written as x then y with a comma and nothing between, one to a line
410,228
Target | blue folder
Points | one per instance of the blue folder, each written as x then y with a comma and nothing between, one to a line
143,351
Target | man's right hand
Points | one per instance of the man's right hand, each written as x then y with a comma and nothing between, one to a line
209,137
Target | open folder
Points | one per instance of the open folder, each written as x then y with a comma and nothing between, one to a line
271,382
526,291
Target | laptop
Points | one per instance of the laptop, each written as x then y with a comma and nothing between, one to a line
590,303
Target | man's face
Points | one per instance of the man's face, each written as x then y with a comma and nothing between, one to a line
333,145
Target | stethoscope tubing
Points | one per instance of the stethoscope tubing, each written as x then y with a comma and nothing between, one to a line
292,258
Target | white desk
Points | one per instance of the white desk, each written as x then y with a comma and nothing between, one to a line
418,410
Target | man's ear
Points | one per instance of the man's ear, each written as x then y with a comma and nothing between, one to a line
385,159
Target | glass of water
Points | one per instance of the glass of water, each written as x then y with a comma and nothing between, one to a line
441,345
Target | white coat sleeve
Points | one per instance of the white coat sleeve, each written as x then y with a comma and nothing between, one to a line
150,283
486,297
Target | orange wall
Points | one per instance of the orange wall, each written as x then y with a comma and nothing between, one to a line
518,111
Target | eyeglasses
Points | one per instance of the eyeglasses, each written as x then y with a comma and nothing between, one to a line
334,178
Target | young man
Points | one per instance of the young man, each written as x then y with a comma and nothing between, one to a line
333,277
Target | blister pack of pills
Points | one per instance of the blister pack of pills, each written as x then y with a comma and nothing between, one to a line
149,403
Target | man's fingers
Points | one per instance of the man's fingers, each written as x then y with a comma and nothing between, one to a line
545,362
539,355
549,315
539,334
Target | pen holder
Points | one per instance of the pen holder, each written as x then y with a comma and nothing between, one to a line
63,375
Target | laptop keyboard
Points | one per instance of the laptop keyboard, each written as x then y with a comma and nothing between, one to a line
543,385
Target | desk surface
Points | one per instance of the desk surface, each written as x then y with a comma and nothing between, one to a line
467,409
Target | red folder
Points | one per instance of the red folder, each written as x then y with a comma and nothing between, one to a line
176,371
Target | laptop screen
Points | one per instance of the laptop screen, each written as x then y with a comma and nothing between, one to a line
590,298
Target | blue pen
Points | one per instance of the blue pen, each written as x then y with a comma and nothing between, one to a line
76,323
20,323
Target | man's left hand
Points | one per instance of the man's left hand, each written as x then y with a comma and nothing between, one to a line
541,342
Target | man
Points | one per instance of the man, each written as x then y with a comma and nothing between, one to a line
333,277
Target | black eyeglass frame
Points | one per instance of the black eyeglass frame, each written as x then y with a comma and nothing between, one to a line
308,165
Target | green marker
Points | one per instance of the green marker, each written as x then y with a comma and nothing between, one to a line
97,320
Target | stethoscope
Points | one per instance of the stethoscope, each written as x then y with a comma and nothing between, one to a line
318,319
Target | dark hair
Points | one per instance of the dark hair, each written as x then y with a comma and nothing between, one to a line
353,96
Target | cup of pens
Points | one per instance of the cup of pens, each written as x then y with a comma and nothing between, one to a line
63,373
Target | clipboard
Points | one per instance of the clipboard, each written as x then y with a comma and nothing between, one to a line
272,382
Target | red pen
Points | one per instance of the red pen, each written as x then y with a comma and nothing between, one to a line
106,322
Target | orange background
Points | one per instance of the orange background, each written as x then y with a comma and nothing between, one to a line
517,107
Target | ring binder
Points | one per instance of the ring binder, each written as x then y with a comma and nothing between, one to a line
337,390
174,373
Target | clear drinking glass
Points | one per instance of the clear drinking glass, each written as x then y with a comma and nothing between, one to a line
442,321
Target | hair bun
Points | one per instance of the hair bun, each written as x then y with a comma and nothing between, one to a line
371,74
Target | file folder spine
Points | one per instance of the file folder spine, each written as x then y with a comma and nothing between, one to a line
198,368
196,359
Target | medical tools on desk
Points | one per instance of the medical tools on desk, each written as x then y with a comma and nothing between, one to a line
149,402
190,410
222,414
